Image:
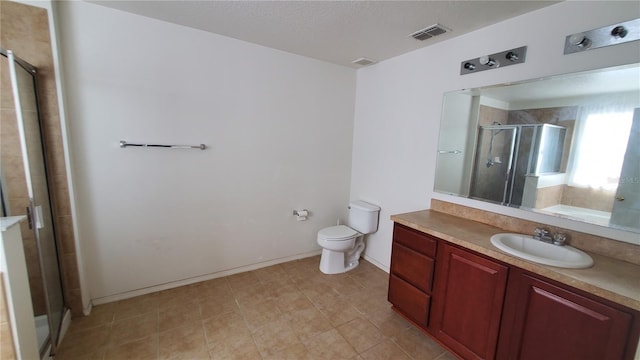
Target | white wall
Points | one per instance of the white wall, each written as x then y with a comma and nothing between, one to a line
451,168
398,105
279,127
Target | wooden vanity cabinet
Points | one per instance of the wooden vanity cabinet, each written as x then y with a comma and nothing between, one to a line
548,321
484,309
411,278
467,302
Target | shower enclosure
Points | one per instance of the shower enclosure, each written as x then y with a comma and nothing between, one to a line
24,190
506,154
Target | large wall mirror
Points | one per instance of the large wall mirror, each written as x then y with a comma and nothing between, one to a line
567,146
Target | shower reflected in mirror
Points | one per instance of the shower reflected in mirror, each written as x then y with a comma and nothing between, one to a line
514,155
565,146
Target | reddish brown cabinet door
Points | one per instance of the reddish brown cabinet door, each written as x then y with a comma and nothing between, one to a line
411,302
412,267
467,302
551,323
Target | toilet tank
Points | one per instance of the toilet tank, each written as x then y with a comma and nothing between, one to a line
363,217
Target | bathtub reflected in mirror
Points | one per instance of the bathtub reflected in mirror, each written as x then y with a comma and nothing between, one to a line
567,146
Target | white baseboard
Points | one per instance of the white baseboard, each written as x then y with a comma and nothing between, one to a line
376,263
193,280
87,310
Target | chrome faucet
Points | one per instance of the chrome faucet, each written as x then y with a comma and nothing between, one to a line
542,235
559,239
545,236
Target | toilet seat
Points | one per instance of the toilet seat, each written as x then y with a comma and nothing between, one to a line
337,233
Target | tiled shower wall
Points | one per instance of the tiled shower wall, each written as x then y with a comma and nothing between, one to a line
25,30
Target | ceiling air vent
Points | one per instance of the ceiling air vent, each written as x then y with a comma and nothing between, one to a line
363,61
429,32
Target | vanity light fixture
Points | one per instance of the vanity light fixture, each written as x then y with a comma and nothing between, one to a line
601,37
493,61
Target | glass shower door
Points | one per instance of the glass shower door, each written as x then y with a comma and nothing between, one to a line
493,163
39,208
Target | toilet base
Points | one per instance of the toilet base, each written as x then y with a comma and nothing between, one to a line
337,262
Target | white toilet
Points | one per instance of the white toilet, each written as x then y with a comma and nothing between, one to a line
342,245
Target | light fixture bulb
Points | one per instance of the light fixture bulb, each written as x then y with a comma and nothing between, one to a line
578,40
511,56
619,32
485,60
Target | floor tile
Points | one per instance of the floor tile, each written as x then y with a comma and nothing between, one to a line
218,328
294,352
257,315
134,328
308,322
290,298
386,350
275,337
82,342
177,315
285,311
361,334
212,307
238,346
251,295
100,315
339,311
141,349
418,345
184,342
136,306
330,345
182,296
213,289
272,274
242,280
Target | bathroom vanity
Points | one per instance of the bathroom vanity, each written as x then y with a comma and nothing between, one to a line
448,280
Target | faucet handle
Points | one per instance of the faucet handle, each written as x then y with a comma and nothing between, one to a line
559,239
540,232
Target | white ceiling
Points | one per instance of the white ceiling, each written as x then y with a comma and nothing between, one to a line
334,31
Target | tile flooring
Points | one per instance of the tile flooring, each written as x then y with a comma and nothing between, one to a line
285,311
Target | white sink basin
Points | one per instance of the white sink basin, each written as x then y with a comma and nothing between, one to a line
528,248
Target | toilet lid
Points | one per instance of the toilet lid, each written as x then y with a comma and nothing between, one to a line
336,233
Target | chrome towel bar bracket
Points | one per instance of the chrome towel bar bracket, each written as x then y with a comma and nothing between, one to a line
124,144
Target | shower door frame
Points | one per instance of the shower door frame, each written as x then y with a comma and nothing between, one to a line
32,213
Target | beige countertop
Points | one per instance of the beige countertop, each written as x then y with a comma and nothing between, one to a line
608,278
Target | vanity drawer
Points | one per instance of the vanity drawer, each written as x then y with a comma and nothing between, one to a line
415,240
412,302
412,266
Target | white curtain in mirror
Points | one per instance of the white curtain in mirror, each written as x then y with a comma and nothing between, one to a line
602,130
